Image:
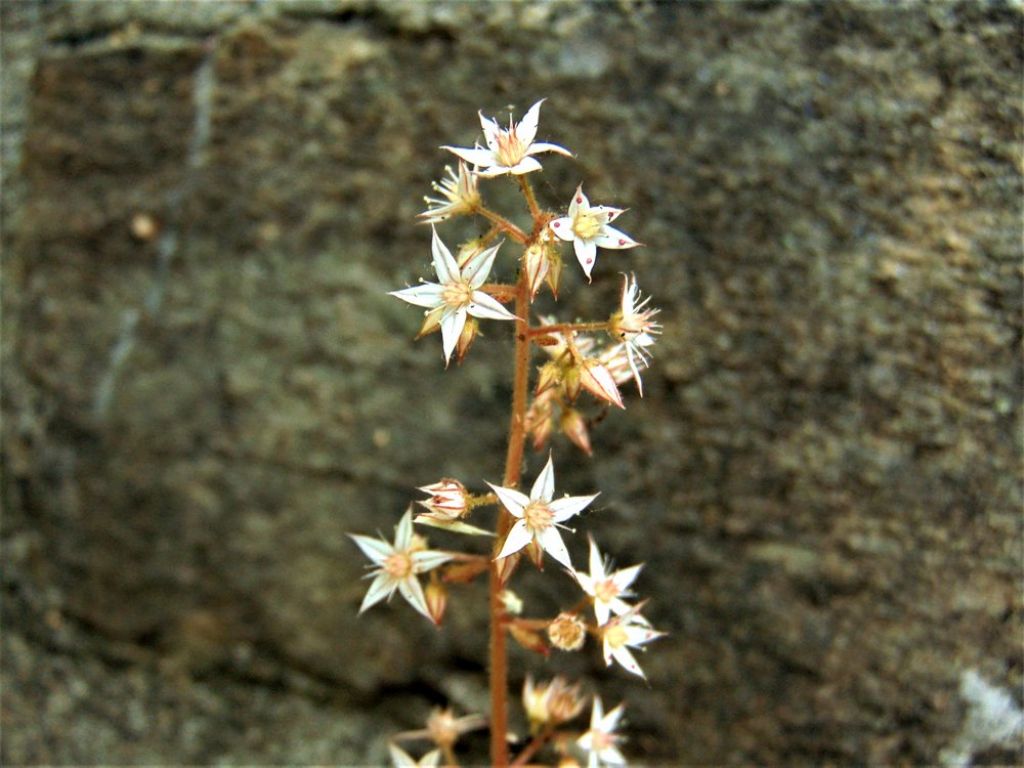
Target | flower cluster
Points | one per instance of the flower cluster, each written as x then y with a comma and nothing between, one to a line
593,357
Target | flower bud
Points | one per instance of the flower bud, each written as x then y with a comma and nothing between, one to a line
550,374
505,566
535,264
540,419
554,276
448,499
437,600
431,322
469,331
511,602
530,640
574,426
598,381
567,632
571,381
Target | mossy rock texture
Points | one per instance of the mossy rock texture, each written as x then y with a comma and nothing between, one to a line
206,387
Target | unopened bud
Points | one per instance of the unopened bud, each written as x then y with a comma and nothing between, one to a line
535,264
511,602
574,426
431,322
536,554
598,381
448,499
437,600
540,419
530,640
567,632
551,703
550,374
505,566
554,276
469,331
571,381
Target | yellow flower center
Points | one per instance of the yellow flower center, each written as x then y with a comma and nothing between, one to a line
606,591
616,636
398,565
510,149
602,740
537,516
457,295
587,225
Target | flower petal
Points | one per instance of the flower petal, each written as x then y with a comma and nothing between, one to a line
428,559
403,531
444,263
579,202
413,593
491,129
637,634
518,537
542,146
564,508
563,228
400,758
526,165
610,237
607,211
627,661
610,721
596,562
601,612
544,486
480,157
526,131
514,501
622,579
451,328
477,268
381,587
551,540
586,253
488,307
375,549
423,295
493,171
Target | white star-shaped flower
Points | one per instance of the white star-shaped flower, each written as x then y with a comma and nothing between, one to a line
402,759
538,516
635,325
630,630
601,741
457,295
606,588
398,565
509,150
587,226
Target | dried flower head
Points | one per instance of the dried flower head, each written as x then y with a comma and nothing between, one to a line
567,632
460,194
551,703
635,326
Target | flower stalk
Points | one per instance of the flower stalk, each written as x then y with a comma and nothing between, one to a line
526,527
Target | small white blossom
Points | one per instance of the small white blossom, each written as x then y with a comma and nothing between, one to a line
538,515
606,588
509,150
459,194
635,325
402,759
630,630
398,565
601,741
457,295
587,226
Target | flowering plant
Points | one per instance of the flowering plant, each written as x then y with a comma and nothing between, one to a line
596,357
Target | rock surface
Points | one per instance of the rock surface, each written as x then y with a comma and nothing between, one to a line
205,386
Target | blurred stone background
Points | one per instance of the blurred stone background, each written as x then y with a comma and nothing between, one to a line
205,386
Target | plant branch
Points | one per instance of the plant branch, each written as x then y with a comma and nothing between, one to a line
503,224
541,330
